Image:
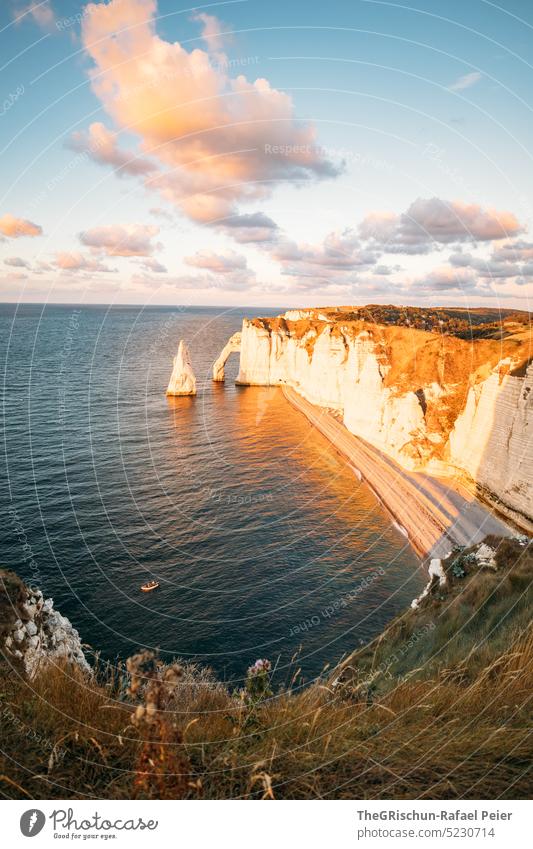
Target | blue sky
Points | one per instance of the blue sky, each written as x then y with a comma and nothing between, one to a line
383,156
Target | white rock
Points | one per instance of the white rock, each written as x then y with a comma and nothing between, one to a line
182,380
233,345
19,635
31,628
436,571
486,556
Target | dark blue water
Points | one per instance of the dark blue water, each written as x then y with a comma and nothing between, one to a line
264,542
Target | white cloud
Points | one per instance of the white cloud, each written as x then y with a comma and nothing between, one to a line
122,239
466,81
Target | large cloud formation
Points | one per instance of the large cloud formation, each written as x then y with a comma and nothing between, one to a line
219,140
432,221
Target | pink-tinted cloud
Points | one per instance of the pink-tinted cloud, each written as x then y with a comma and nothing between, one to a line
78,262
223,263
122,239
430,222
221,140
100,144
14,228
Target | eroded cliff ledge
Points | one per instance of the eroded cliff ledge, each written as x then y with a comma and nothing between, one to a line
431,400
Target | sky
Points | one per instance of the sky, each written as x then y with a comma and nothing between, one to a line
269,154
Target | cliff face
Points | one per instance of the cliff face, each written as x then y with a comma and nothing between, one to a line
433,402
32,631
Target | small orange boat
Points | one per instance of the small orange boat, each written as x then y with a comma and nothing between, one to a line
149,586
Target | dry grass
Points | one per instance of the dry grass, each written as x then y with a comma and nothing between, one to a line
438,707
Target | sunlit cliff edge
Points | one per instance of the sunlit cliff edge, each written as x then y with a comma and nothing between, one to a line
433,401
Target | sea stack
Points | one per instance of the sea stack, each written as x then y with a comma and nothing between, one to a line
182,379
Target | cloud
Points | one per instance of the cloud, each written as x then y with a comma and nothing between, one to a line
40,11
151,264
221,140
14,228
251,227
121,239
339,254
219,263
430,222
513,259
514,251
212,31
466,81
158,212
16,262
446,280
100,144
78,262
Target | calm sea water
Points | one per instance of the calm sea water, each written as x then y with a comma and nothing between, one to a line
264,542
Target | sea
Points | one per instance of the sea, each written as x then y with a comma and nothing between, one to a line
263,540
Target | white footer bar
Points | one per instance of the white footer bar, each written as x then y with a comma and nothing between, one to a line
324,824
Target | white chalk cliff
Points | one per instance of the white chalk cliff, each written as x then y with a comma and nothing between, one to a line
432,402
32,632
182,379
233,345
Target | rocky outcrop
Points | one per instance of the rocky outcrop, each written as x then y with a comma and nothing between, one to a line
233,345
182,379
433,402
32,631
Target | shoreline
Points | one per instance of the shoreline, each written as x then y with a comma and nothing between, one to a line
434,514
